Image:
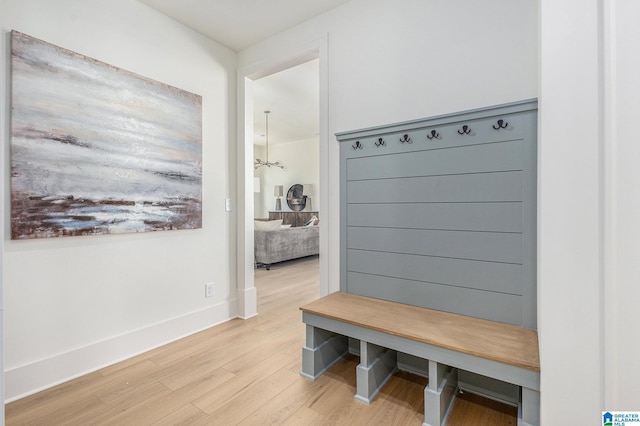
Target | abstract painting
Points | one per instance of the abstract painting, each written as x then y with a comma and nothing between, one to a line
99,150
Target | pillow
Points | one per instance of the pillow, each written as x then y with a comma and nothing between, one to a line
285,226
261,225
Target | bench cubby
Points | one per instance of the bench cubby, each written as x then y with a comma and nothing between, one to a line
445,341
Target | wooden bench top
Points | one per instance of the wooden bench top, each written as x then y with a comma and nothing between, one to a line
506,343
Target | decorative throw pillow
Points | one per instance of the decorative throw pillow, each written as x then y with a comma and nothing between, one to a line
261,225
285,226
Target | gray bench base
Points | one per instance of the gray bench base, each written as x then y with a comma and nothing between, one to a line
322,350
440,393
327,341
377,365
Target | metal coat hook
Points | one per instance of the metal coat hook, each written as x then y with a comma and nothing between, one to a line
465,130
406,139
358,145
380,142
433,134
501,125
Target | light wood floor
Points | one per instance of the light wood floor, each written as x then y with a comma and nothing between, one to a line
242,372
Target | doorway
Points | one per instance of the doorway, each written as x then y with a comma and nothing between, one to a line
286,182
286,135
248,78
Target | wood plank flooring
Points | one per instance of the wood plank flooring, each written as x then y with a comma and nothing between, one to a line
242,372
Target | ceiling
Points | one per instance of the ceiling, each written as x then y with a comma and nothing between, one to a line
239,24
292,95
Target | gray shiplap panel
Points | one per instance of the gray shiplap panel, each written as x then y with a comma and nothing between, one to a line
440,220
500,156
500,307
497,186
498,247
473,274
496,217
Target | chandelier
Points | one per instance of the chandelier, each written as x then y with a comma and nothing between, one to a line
258,162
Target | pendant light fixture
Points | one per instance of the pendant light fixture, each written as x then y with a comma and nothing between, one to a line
258,162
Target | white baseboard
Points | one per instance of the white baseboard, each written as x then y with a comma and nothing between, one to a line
247,302
34,377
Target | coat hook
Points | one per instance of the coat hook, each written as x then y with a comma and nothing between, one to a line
433,134
406,138
501,125
358,145
380,142
465,130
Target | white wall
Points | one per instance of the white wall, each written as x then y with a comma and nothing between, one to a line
622,155
569,215
589,209
3,74
302,166
74,304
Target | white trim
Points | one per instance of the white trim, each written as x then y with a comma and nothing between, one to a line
609,185
36,376
316,48
4,131
247,297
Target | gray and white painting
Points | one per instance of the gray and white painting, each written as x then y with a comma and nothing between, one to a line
99,150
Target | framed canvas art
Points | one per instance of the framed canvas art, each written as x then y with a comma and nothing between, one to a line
99,150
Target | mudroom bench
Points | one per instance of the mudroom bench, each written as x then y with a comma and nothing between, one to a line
445,341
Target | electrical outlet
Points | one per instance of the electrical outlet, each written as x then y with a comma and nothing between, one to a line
208,290
227,204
